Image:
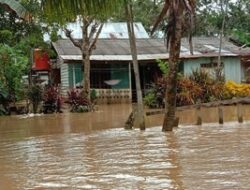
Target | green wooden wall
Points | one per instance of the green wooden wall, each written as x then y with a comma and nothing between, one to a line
117,72
75,74
120,72
232,67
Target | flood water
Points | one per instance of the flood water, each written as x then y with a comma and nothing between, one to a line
93,151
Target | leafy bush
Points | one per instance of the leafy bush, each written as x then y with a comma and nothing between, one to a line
188,92
51,100
198,87
93,96
77,101
35,96
12,66
211,89
4,102
232,89
150,99
163,65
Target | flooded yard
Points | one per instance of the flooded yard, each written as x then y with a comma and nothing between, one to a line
93,151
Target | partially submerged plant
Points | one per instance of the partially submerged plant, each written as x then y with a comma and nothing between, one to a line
51,100
35,96
77,101
4,102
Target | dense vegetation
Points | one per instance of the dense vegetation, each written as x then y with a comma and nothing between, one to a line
17,39
209,16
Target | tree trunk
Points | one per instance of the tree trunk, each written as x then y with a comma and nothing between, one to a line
170,94
219,64
139,114
86,60
86,75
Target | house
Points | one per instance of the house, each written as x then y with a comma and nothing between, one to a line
111,66
235,60
112,71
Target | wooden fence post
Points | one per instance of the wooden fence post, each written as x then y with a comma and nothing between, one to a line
220,110
239,113
198,114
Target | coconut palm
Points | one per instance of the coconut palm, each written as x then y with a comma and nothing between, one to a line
179,18
13,5
139,113
91,13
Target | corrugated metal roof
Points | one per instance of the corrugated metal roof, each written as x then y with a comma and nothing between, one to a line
119,49
110,30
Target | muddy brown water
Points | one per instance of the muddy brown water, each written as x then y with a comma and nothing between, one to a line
93,151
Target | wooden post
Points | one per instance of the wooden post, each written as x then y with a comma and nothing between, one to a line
220,110
198,113
239,113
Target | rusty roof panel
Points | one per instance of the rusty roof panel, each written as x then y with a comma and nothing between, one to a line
203,47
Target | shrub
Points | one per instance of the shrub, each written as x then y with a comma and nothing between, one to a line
150,99
35,96
4,102
93,96
188,92
232,89
51,100
77,101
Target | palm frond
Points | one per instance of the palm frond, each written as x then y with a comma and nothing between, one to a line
63,10
173,9
160,17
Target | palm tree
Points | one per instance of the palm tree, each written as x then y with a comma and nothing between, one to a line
139,114
180,17
13,5
91,13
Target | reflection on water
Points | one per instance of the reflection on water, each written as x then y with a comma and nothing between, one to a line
69,151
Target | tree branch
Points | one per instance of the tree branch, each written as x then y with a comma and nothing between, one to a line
161,16
93,30
68,34
92,46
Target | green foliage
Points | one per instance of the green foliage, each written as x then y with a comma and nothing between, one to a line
196,88
2,110
35,96
150,99
210,16
12,66
6,36
242,37
63,11
145,11
93,95
164,67
53,36
4,101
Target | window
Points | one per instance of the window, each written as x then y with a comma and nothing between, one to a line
210,68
